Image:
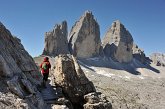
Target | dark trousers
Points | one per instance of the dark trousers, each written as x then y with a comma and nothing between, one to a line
45,76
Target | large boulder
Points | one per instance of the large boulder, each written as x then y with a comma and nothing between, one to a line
56,40
76,86
158,59
96,100
71,78
118,43
19,74
84,38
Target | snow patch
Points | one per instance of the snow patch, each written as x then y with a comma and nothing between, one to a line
141,77
93,59
103,72
124,77
127,77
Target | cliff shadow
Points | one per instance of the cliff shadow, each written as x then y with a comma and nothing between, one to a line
110,63
4,87
148,65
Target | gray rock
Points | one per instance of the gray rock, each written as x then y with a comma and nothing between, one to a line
71,78
122,41
64,102
96,100
56,40
15,87
19,74
84,38
4,68
28,85
10,101
15,57
139,54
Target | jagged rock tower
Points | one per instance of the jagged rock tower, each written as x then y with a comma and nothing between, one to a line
84,39
56,40
118,43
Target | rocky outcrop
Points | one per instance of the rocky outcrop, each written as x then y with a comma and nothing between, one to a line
71,78
56,40
84,39
158,59
96,100
75,85
118,43
139,54
19,75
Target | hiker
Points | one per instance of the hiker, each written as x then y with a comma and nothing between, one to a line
45,66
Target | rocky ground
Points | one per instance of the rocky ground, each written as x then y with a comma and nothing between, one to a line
126,90
122,88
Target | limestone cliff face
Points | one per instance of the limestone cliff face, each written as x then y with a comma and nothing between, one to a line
18,73
13,57
139,54
118,43
56,40
84,39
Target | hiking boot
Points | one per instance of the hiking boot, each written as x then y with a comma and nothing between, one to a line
44,84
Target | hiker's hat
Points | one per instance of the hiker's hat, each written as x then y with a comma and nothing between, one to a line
46,59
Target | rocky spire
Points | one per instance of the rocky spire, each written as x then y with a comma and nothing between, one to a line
84,39
56,40
118,43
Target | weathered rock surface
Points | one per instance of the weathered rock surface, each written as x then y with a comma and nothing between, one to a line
71,78
84,39
139,54
96,100
158,59
118,43
19,75
56,40
75,85
14,59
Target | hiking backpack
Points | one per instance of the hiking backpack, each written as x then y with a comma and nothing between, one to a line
45,66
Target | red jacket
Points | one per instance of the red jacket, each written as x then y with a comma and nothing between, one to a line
48,64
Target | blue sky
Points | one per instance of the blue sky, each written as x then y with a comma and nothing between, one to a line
30,19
